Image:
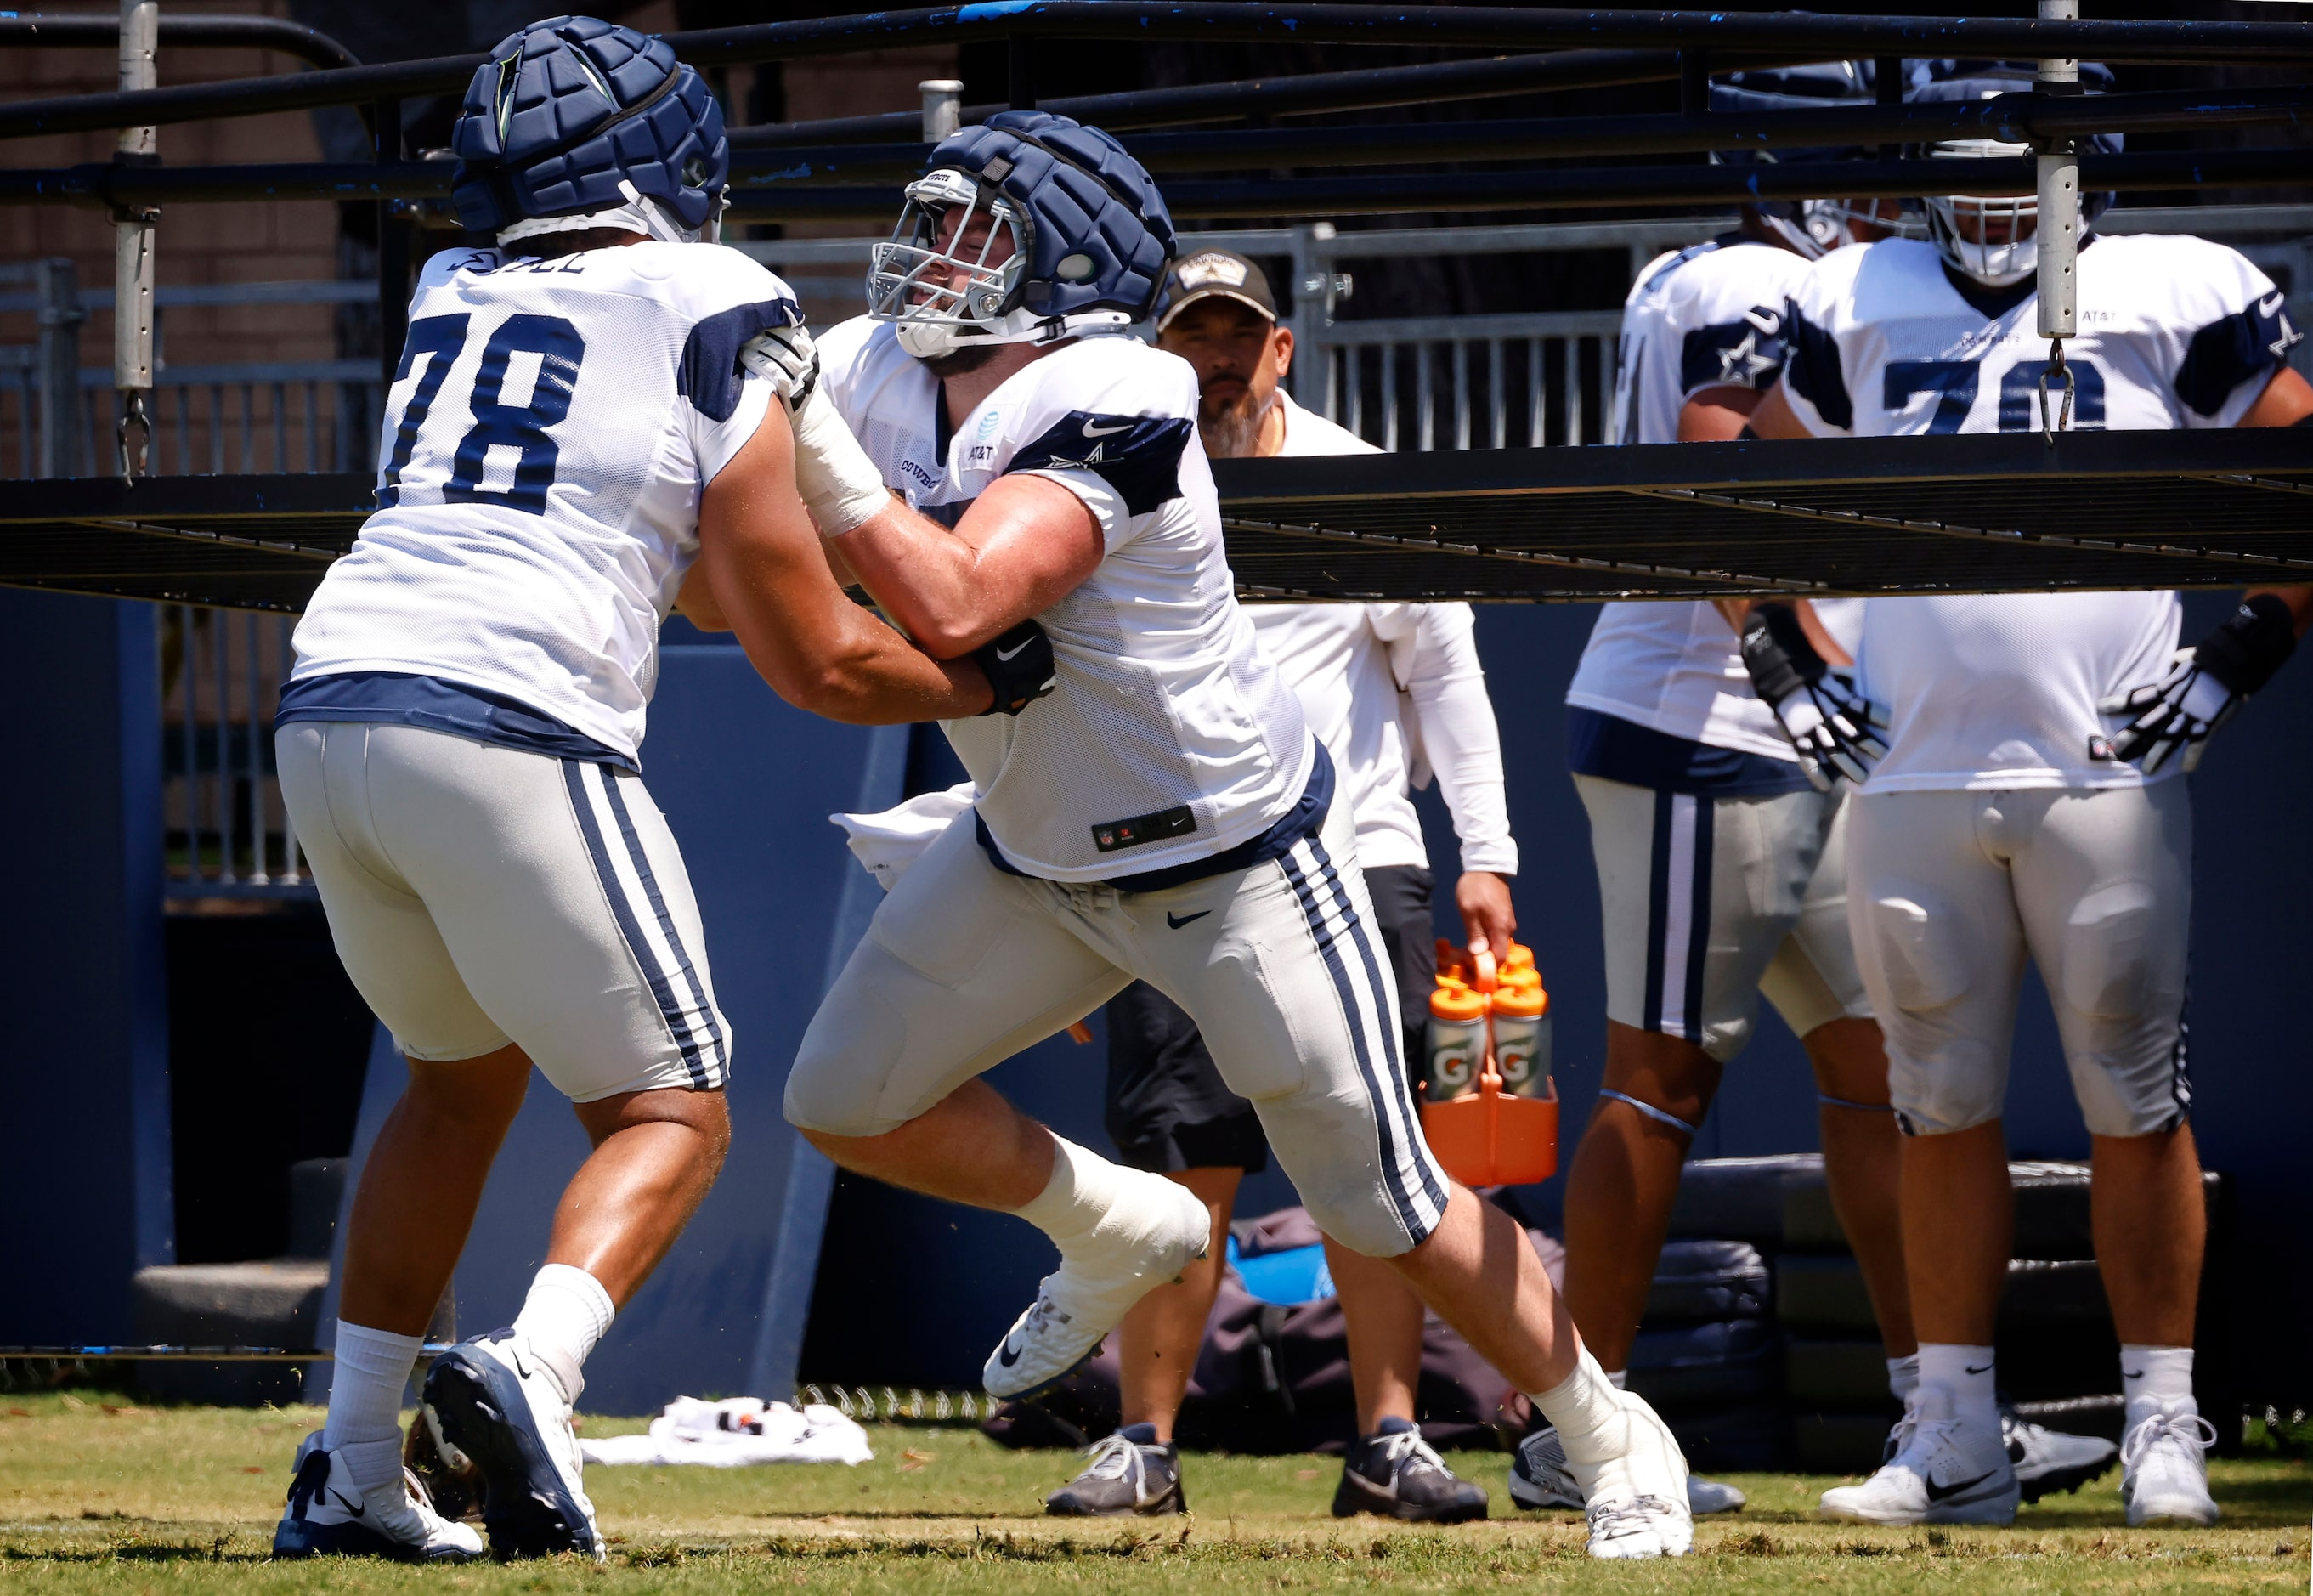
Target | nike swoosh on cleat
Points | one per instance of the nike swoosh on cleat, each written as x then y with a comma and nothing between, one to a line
1177,923
1936,1493
1007,1354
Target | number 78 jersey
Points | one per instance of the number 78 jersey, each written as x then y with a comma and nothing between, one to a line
2174,333
549,430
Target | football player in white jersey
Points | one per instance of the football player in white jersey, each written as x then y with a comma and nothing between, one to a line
1386,688
2000,826
1721,860
1164,814
569,442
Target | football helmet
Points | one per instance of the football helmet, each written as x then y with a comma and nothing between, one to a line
1812,228
575,123
1076,239
1994,240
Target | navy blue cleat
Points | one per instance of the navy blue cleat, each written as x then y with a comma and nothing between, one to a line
327,1516
505,1402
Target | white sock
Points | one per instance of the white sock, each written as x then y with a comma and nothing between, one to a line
567,1312
1967,1372
366,1385
1619,1379
1084,1190
2155,1378
1904,1377
1592,1425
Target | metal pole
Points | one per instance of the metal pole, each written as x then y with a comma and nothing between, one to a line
942,107
2058,228
392,256
132,268
60,321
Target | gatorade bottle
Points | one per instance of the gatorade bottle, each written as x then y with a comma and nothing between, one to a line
1521,1011
1457,1041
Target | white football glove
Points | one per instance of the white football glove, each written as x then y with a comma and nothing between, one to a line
2206,687
838,482
1834,728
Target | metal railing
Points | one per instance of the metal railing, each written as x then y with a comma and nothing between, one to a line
56,415
226,833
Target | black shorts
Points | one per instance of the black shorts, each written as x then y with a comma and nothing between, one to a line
1168,1108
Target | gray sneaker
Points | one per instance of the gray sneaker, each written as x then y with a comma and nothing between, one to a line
1126,1474
1394,1474
2051,1460
1540,1478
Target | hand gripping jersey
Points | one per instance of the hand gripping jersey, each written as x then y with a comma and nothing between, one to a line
547,438
1169,738
1707,317
2000,691
1389,688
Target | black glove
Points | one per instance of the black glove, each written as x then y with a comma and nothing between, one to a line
2206,687
1019,666
1828,722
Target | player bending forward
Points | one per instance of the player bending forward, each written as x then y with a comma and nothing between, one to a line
2001,825
568,439
1165,814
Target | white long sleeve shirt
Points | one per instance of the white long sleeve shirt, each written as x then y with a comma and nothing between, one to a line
1395,692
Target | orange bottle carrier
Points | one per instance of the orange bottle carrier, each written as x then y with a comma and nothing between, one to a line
1499,1127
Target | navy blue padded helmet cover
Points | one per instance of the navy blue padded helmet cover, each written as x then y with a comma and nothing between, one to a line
1079,193
538,136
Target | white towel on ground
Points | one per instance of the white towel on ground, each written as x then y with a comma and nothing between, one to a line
735,1432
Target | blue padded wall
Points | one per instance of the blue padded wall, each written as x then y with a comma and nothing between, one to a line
84,1185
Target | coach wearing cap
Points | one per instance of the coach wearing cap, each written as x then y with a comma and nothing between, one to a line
1395,692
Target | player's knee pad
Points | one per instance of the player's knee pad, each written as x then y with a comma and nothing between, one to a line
841,1071
1364,1220
2112,964
1960,1084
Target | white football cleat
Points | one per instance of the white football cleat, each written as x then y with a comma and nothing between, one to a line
2164,1468
327,1515
1540,1478
505,1402
1637,1499
1944,1472
1101,1277
2051,1460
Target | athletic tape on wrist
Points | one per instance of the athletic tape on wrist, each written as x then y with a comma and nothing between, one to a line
1651,1112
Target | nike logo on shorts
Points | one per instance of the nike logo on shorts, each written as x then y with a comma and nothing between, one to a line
1972,1369
1177,922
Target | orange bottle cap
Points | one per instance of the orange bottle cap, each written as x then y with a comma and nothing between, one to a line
1523,1001
1457,1002
1519,957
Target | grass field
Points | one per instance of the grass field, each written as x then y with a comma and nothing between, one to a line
100,1494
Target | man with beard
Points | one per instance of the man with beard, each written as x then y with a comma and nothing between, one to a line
1160,812
1390,689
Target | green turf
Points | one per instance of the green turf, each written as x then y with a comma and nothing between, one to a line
100,1495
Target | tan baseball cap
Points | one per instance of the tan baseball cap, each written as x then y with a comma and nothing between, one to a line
1209,274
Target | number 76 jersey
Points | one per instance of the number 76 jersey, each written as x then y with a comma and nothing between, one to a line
2174,333
549,430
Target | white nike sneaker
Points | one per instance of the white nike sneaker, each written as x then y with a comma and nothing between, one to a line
1139,1246
1944,1472
1539,1478
327,1515
1637,1499
504,1401
2051,1460
2164,1468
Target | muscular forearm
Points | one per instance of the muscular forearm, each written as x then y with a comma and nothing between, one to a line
861,672
927,579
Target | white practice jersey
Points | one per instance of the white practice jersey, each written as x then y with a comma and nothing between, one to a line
1392,691
2000,691
546,440
1169,737
1707,317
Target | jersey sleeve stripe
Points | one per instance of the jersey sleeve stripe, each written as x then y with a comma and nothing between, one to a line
1813,370
2239,348
1138,456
